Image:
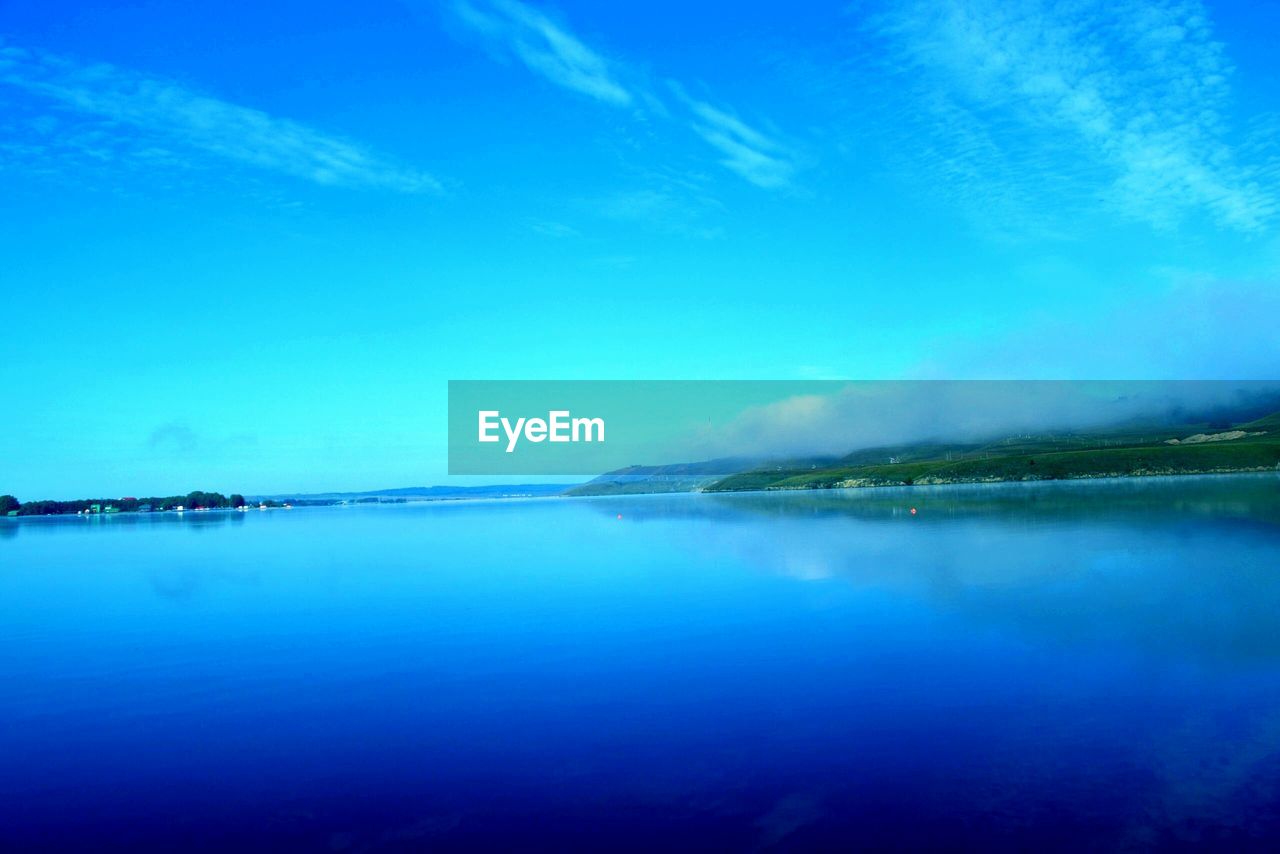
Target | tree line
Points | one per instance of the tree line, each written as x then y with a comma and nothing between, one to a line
191,501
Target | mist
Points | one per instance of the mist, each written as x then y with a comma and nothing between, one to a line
861,415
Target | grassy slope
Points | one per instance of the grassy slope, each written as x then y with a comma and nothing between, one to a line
1115,454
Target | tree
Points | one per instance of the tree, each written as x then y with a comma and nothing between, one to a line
8,503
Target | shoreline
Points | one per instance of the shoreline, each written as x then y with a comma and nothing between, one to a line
866,483
1098,479
842,487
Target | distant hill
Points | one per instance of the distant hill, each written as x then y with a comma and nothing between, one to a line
1220,445
427,493
675,477
1199,448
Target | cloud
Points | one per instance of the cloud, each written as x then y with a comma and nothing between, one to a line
545,48
871,414
179,439
550,228
512,28
1117,101
174,437
103,110
668,207
760,159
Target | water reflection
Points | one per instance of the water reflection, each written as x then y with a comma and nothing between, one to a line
1171,566
54,525
173,577
1143,501
1080,666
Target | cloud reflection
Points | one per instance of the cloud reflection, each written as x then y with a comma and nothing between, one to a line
1079,563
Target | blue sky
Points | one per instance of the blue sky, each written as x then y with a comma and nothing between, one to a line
244,247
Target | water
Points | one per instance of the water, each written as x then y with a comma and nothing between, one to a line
1025,667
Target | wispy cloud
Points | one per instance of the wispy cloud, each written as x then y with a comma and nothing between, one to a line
551,228
1123,101
755,156
107,110
543,46
666,208
511,28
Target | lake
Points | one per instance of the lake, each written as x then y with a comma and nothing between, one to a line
1016,666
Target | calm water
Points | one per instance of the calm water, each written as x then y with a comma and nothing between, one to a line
1052,666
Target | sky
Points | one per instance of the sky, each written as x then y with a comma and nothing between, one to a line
244,246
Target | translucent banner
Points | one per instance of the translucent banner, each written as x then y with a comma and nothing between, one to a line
704,428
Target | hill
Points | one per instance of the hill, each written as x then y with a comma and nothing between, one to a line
674,477
1127,450
428,493
1184,449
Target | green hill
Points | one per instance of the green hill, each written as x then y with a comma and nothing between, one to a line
1186,449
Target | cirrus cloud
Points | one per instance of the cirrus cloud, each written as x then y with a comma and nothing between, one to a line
1119,102
544,47
511,28
109,111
